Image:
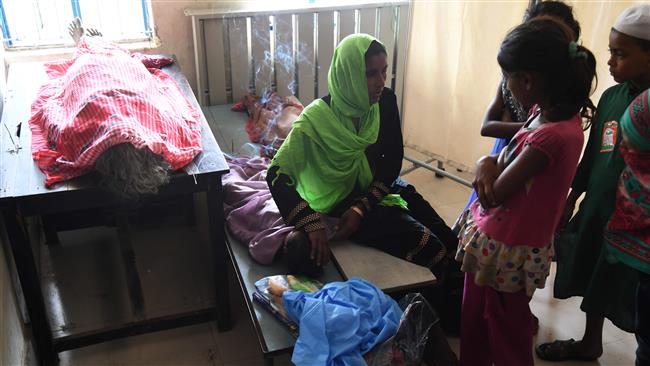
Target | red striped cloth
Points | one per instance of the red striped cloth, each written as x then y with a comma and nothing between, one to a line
103,97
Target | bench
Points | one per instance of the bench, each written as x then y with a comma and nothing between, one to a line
349,259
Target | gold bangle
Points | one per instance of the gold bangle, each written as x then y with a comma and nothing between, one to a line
357,210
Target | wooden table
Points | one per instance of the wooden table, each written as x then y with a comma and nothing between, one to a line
23,194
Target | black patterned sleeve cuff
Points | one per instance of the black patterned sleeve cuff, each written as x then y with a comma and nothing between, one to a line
294,210
375,193
313,226
303,217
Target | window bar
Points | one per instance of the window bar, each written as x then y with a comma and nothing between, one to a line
337,28
226,58
5,27
99,19
251,60
38,20
409,12
121,24
315,55
272,43
58,21
76,9
395,39
205,99
145,15
99,11
357,21
377,22
295,51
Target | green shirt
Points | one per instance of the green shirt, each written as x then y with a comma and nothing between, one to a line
602,162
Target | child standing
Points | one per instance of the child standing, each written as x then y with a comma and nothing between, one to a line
506,236
505,115
628,231
582,270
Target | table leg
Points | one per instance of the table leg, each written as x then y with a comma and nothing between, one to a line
30,283
268,361
50,230
219,252
128,258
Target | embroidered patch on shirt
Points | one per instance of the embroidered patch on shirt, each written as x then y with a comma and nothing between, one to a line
609,136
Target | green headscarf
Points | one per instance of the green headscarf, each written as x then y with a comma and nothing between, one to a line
324,154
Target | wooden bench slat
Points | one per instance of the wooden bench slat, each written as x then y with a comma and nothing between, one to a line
383,270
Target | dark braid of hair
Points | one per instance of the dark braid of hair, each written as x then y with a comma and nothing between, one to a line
541,45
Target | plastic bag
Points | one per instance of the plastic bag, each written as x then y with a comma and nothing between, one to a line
407,346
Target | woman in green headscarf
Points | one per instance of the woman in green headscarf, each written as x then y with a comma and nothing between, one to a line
342,159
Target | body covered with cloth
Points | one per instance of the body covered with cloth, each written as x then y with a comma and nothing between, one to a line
104,97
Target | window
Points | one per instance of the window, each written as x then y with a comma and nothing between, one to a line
44,23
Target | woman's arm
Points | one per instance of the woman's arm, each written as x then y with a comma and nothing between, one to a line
385,156
494,187
296,212
497,121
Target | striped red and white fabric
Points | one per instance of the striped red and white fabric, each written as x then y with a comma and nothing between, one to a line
103,97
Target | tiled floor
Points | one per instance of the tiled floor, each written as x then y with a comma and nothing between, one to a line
204,345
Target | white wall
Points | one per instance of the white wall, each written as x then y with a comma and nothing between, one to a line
452,73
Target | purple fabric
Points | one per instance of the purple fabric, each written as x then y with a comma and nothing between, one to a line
251,213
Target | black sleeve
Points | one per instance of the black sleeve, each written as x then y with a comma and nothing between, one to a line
581,178
386,155
389,163
294,210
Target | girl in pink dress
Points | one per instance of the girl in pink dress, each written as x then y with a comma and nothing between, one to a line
506,236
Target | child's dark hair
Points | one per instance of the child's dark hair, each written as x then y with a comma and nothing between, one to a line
557,9
643,43
375,48
544,46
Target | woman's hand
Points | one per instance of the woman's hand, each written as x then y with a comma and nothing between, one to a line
569,207
349,224
320,249
487,172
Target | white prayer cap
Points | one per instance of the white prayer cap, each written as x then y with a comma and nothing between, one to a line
634,21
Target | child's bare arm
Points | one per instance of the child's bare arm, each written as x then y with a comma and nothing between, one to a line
487,171
501,160
528,163
497,122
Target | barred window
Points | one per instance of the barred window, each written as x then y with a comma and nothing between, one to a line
44,23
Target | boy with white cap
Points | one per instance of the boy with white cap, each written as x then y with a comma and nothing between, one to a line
608,289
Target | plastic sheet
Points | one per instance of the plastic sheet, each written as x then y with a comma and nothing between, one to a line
341,322
407,346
